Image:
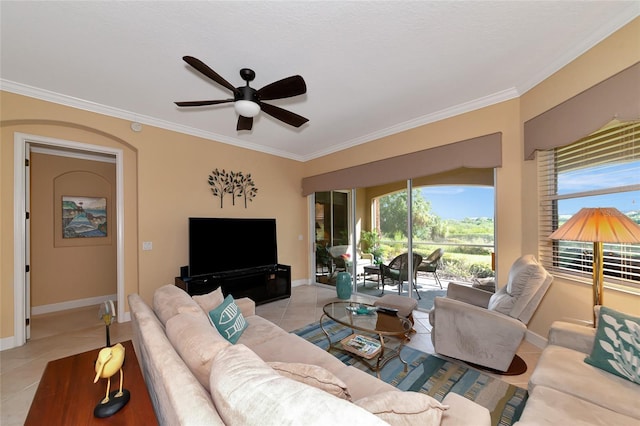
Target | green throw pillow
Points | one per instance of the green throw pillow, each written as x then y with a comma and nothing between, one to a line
617,345
228,319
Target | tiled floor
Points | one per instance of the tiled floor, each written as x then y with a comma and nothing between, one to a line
58,335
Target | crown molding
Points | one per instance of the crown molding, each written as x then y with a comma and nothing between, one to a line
453,111
57,98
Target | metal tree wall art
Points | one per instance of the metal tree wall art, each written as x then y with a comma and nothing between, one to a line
237,185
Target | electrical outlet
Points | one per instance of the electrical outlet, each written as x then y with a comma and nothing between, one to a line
147,245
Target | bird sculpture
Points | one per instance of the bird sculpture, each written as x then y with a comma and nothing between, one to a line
109,362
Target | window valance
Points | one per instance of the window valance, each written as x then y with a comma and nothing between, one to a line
583,114
480,152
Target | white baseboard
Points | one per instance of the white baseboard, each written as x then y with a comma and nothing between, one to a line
535,339
72,304
298,283
7,343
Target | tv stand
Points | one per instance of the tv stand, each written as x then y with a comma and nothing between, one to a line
262,284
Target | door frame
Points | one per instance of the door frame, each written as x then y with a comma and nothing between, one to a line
20,194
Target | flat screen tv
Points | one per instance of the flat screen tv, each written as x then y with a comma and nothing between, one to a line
228,244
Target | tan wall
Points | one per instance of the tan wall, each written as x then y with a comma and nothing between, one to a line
165,183
64,269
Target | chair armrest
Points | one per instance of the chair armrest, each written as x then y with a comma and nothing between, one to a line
367,256
453,310
246,306
572,336
473,296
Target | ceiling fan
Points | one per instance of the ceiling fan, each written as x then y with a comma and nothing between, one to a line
248,102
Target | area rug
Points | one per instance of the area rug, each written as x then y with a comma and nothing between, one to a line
432,375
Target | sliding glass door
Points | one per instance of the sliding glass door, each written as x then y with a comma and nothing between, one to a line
331,216
452,215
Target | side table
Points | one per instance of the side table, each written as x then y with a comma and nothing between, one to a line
67,395
371,270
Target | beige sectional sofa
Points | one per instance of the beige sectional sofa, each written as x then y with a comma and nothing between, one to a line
565,390
195,377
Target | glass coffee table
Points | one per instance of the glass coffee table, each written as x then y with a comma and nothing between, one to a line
365,318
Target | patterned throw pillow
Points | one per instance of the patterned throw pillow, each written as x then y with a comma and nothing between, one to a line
617,345
228,319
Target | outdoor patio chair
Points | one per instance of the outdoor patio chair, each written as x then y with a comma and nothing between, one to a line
341,256
398,271
431,263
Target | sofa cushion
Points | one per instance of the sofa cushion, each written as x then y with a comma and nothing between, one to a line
246,391
292,348
259,330
564,369
210,300
228,319
547,406
197,342
362,384
313,375
617,344
404,408
289,347
170,300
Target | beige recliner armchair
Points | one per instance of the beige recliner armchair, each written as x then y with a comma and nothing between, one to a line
484,328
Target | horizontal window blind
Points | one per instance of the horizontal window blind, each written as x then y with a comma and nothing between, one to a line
608,163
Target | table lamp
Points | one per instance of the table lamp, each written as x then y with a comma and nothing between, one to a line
598,225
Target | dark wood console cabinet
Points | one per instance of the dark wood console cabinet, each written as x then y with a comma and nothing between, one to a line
262,284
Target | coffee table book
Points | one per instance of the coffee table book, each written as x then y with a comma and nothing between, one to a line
361,345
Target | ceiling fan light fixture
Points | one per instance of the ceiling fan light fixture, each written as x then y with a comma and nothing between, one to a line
247,109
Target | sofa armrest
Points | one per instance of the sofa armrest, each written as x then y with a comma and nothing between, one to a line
246,306
473,296
464,412
572,336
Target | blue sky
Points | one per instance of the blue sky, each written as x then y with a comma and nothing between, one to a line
458,202
596,178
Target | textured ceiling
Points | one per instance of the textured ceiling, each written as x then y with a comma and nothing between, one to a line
371,68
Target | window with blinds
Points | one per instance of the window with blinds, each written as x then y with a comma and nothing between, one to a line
600,170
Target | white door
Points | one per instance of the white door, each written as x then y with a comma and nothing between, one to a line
27,246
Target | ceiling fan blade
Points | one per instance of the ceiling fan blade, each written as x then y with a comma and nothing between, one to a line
288,117
201,103
204,69
285,88
244,123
